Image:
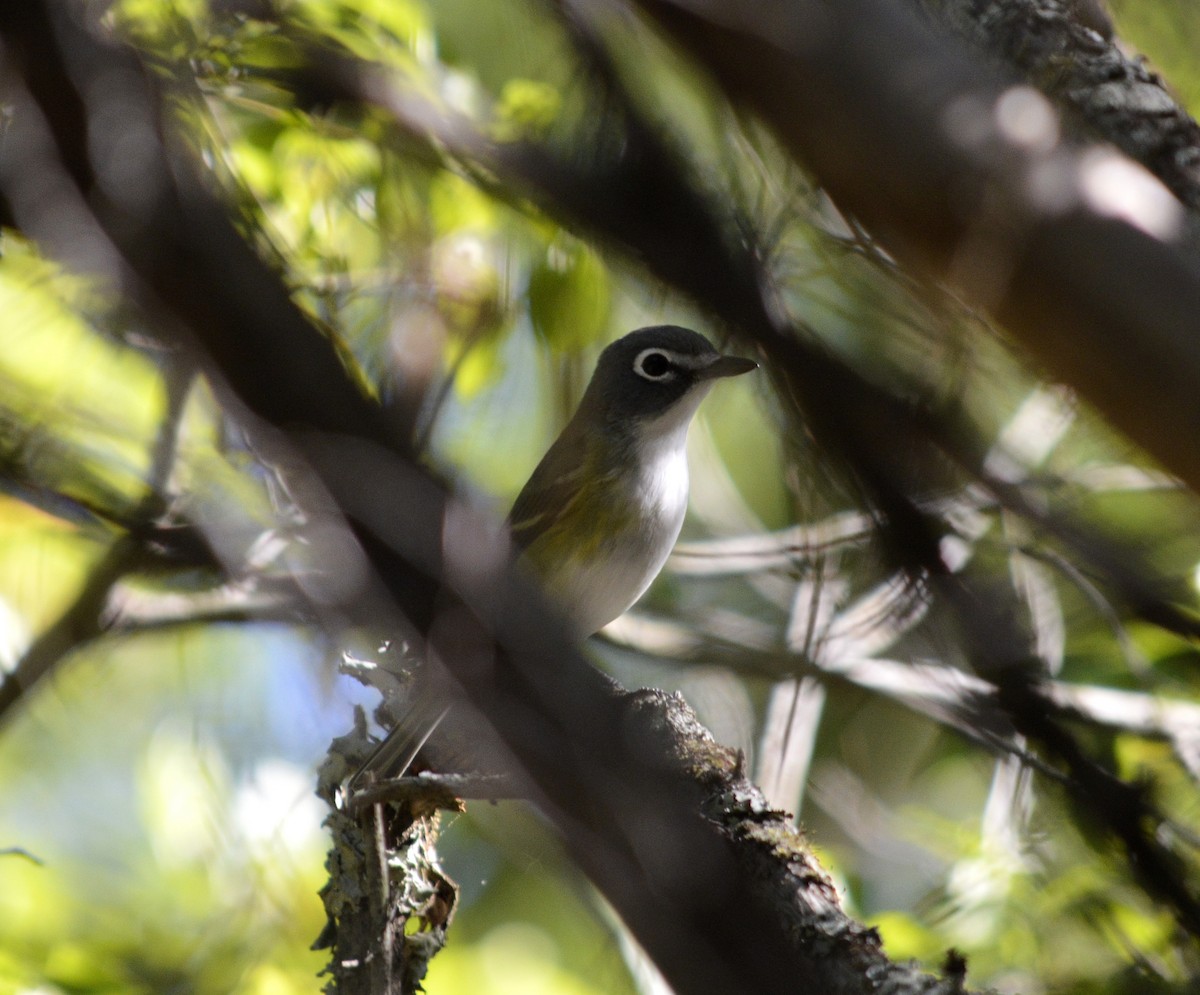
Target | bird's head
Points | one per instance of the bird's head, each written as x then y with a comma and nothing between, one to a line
656,376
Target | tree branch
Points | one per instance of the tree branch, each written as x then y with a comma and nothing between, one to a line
87,616
869,99
1114,97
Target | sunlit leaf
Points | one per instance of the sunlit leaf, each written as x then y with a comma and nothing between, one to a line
570,299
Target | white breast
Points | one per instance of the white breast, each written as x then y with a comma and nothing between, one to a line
606,586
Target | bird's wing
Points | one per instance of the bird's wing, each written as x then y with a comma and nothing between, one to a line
546,499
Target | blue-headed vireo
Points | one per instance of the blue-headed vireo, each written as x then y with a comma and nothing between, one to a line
602,510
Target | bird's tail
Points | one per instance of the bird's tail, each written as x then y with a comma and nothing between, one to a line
399,748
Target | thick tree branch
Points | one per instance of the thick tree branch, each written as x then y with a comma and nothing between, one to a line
1115,97
884,113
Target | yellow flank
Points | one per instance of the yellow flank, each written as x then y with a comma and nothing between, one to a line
599,514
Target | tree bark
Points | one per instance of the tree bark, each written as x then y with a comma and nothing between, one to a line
1107,94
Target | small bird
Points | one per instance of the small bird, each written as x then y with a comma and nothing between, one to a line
602,510
600,514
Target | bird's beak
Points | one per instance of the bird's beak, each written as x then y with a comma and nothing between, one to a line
726,366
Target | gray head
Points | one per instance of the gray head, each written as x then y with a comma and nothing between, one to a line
647,372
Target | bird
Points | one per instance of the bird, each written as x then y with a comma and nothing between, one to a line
600,514
601,511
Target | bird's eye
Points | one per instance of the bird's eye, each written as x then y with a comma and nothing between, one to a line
653,365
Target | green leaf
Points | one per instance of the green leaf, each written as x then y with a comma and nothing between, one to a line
570,296
526,109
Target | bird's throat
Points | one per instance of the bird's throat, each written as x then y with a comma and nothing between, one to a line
661,452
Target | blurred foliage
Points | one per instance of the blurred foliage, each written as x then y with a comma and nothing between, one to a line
161,783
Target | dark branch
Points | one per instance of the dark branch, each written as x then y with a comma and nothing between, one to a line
87,616
1113,96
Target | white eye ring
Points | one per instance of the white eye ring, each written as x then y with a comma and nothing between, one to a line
667,373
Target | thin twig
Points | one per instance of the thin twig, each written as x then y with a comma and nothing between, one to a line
87,616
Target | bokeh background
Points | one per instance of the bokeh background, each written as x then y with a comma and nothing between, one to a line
159,831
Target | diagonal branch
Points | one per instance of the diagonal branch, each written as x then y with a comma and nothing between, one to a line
1091,296
1116,97
87,616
